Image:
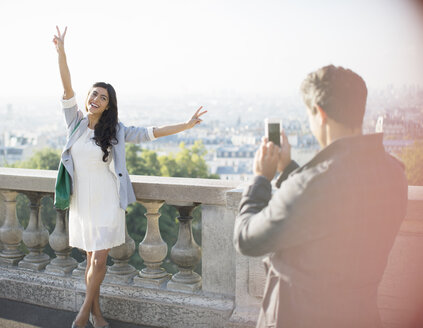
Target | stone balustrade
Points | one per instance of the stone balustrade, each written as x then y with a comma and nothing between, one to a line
150,296
228,292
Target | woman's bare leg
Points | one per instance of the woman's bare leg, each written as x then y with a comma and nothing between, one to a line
87,268
95,308
96,271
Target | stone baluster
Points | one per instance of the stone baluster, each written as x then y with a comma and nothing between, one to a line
10,231
152,249
35,236
80,269
121,270
185,253
63,264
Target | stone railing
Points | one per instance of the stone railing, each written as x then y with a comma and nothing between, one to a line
150,296
228,292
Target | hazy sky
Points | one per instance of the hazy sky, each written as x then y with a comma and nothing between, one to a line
204,47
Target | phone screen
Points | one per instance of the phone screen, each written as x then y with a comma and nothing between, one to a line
274,133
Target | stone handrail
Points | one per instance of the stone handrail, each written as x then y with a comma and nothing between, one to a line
228,292
177,190
212,295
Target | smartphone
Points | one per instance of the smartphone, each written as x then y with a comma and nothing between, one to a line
273,130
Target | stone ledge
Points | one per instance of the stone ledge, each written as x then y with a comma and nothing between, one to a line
415,203
244,317
233,197
171,190
132,304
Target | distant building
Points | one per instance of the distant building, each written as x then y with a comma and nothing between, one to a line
292,127
239,173
306,141
396,146
239,140
395,126
233,162
398,133
10,155
232,152
20,146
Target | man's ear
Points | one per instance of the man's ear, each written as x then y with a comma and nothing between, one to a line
321,115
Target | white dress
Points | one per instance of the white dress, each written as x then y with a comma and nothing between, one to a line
96,220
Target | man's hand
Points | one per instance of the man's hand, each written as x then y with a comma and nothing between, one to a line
284,153
266,160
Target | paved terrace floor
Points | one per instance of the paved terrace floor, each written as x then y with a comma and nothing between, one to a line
22,315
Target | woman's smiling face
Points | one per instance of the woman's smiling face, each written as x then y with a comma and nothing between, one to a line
97,100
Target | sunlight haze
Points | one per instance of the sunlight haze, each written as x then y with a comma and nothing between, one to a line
168,48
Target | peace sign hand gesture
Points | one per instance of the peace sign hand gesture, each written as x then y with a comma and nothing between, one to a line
195,119
59,40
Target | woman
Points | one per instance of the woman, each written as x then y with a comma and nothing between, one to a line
94,156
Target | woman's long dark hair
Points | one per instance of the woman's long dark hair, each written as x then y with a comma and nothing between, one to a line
105,129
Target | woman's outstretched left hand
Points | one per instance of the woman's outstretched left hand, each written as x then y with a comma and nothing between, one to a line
195,119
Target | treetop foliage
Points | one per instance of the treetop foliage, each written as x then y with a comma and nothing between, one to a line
413,159
45,159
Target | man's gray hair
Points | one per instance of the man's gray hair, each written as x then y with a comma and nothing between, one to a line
340,92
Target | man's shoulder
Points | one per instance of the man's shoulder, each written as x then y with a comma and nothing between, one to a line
316,172
308,181
396,161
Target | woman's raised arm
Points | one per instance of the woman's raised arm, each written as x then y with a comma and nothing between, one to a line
59,42
176,128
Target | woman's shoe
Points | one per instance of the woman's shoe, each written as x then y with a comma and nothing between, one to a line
92,322
75,326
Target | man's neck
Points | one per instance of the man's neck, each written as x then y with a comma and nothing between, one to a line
335,131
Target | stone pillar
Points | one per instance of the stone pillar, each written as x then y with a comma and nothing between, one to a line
152,249
80,269
35,236
10,231
121,270
249,276
185,253
217,272
63,264
2,216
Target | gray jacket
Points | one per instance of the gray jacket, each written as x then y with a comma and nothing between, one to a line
328,231
123,134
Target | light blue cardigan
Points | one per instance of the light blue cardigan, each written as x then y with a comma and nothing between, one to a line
123,134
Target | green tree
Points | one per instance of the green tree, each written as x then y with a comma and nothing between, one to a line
188,162
141,162
412,157
45,159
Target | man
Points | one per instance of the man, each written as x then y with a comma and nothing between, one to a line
330,226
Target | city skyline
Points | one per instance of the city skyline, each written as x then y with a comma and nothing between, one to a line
164,48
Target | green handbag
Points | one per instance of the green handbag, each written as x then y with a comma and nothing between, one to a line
63,185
